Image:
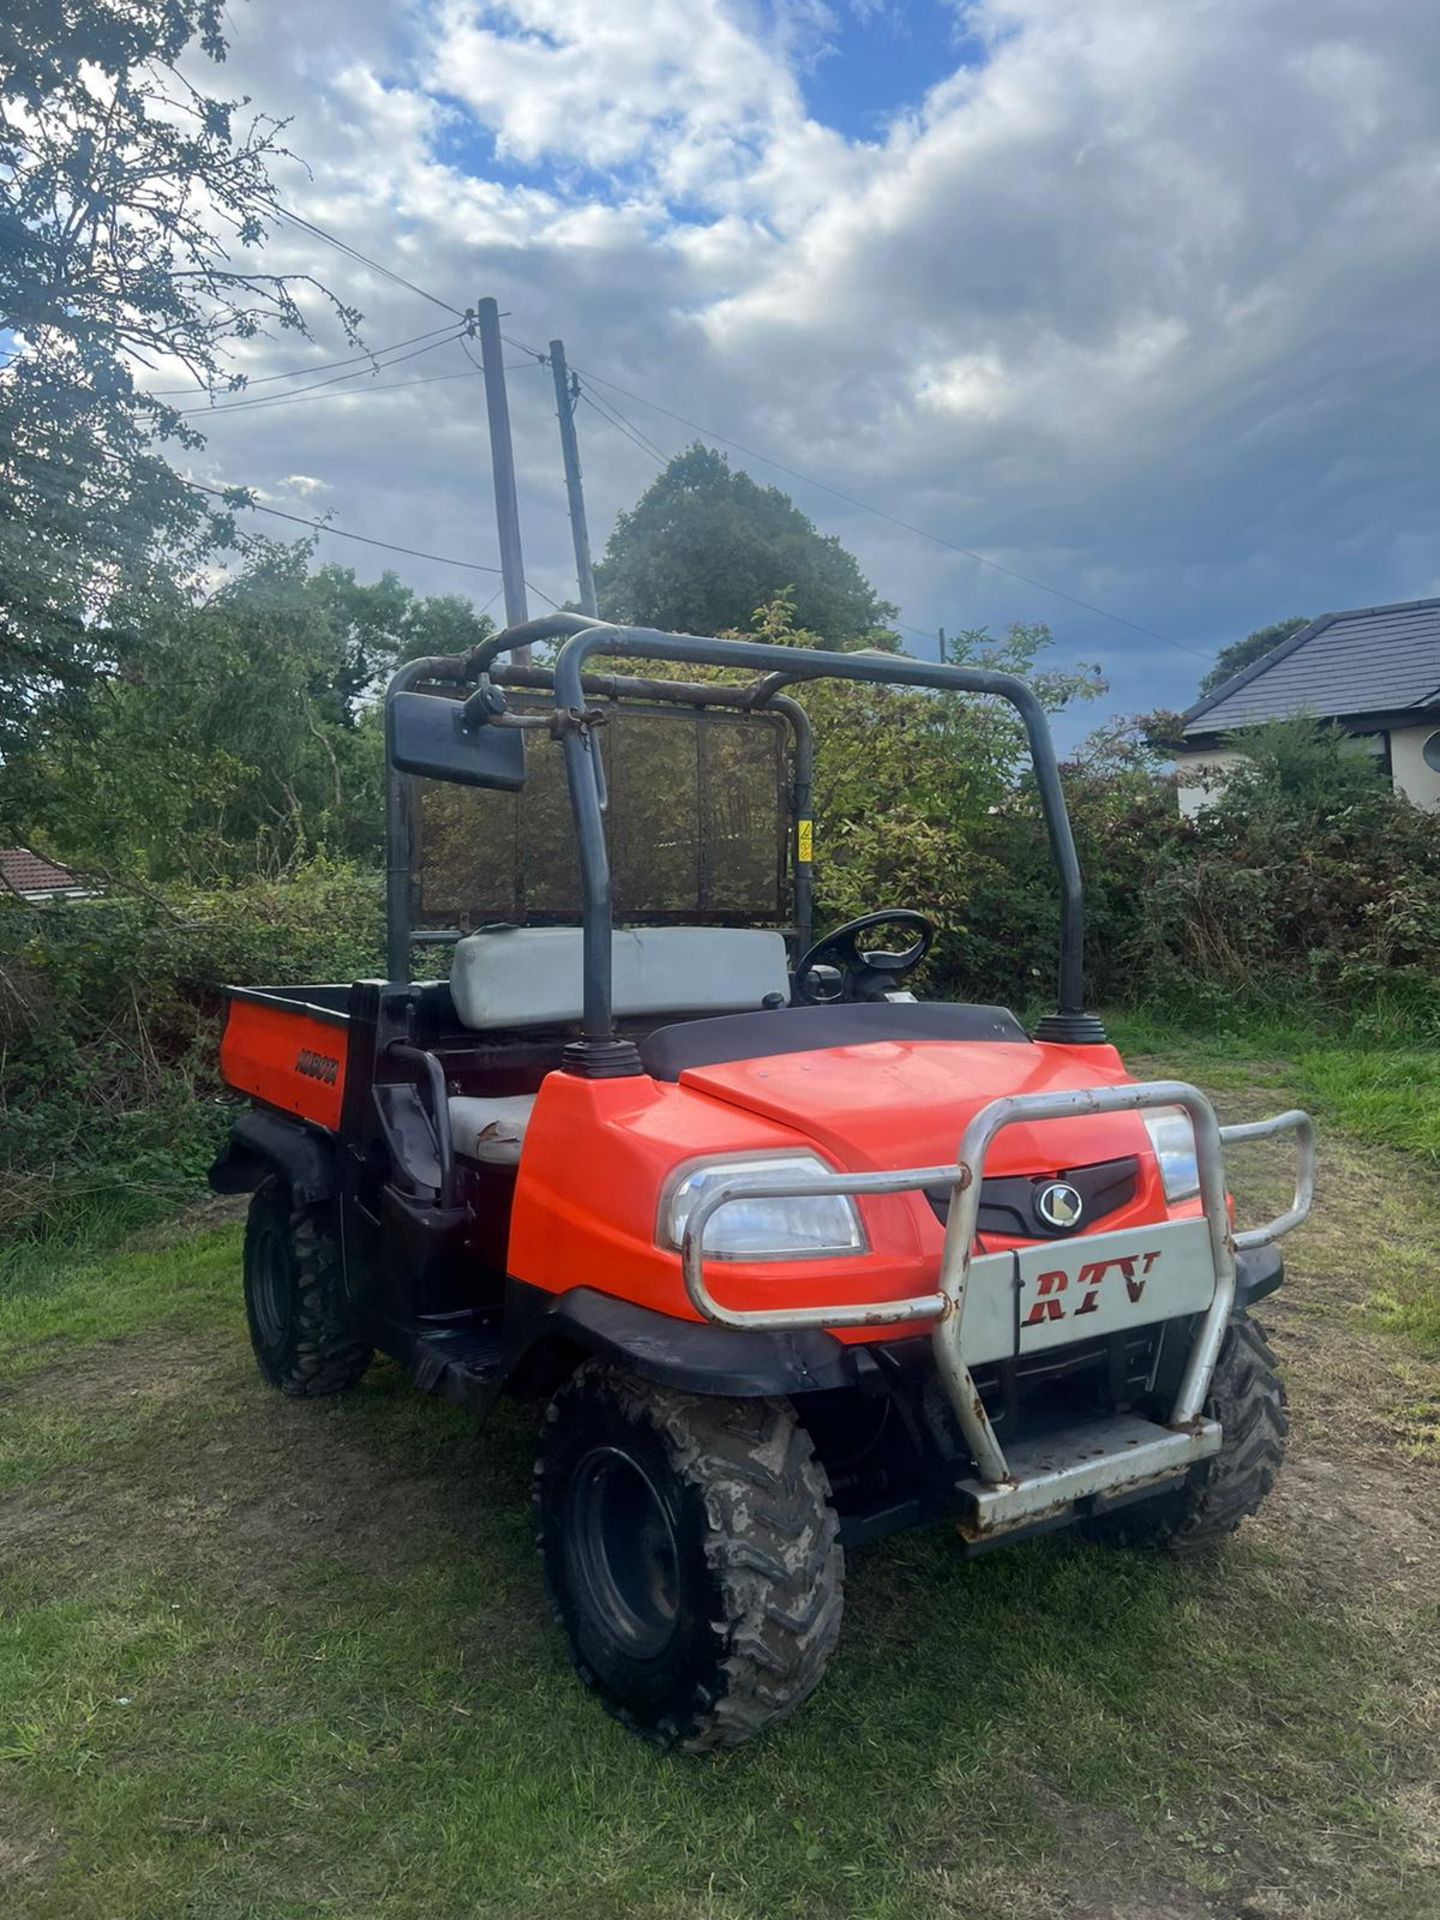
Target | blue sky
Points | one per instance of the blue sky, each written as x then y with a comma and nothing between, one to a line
880,61
1132,298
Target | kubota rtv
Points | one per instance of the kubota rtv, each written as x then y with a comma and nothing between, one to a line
787,1257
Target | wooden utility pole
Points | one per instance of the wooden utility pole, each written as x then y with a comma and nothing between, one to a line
567,393
502,463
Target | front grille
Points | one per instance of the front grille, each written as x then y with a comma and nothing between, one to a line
1007,1204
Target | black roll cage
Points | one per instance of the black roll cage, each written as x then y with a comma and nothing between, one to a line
599,1052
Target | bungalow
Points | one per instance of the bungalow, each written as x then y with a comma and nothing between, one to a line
37,880
1374,671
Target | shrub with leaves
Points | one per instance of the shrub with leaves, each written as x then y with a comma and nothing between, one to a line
110,1023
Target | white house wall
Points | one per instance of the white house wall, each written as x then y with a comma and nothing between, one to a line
1200,776
1412,777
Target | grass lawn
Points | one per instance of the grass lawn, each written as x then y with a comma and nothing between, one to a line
261,1659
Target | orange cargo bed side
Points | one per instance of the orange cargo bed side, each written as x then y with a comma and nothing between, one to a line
289,1054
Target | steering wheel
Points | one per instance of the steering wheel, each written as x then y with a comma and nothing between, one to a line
864,973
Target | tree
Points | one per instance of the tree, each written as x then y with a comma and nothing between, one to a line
922,798
128,196
244,736
1244,653
703,546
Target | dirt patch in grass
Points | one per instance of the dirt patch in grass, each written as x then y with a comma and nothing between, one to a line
114,1373
30,1848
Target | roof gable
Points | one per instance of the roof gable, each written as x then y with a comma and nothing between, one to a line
1369,660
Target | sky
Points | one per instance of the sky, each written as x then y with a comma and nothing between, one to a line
1134,298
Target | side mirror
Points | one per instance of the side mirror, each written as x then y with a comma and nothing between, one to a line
426,734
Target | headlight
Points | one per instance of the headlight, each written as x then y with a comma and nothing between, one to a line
803,1227
1173,1138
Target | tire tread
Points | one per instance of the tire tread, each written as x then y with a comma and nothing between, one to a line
1247,1397
772,1543
327,1358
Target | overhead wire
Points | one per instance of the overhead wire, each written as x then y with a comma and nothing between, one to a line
354,253
339,533
613,417
511,366
922,533
626,424
336,379
297,373
616,421
365,539
348,393
351,393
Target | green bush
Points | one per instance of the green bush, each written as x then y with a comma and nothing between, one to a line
109,1024
1308,887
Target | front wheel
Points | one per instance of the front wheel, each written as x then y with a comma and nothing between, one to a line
1247,1397
691,1554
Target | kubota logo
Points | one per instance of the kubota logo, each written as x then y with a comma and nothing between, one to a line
1132,1268
1059,1205
317,1066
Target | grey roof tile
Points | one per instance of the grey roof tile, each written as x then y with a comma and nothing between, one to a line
1369,660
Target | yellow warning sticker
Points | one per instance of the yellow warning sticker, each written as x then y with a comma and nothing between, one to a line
804,839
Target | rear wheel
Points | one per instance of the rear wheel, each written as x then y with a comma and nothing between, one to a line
691,1554
294,1298
1247,1397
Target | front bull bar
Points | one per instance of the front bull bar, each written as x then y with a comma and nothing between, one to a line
946,1306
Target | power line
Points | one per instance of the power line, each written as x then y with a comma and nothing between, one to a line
341,533
922,533
354,253
511,366
613,417
626,424
618,422
348,393
296,373
335,380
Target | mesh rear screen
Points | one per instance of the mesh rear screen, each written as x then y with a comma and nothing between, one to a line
697,826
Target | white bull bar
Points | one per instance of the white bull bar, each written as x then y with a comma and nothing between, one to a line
1112,1456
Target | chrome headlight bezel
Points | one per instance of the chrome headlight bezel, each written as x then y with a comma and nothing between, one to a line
1172,1141
839,1233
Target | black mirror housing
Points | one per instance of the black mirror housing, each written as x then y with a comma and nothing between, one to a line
426,735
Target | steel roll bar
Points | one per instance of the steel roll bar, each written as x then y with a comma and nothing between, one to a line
946,1305
582,637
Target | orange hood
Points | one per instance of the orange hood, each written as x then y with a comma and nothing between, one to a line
905,1103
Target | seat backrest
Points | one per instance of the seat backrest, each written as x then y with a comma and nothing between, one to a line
531,976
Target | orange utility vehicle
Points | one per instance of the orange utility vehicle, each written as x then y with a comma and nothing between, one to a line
788,1257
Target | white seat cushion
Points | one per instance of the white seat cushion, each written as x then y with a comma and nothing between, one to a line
490,1130
531,976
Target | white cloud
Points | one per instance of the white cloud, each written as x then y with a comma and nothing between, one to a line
1141,303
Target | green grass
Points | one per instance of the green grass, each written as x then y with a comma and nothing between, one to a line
1387,1094
261,1659
173,1280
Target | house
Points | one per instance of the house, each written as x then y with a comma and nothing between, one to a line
35,879
1374,671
